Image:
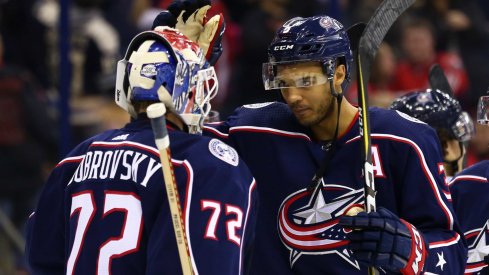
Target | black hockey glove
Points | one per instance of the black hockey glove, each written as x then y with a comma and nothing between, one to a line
190,18
381,239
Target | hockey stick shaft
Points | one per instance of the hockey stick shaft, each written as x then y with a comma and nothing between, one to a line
156,112
378,25
364,124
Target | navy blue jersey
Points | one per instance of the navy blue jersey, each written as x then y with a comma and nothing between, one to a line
298,231
470,195
104,209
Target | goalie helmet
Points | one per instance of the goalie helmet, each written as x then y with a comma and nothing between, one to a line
439,110
319,38
164,66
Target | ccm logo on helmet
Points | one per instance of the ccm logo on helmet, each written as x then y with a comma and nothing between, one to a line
283,47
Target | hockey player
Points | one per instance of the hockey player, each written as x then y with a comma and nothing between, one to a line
301,226
469,190
445,115
104,208
414,229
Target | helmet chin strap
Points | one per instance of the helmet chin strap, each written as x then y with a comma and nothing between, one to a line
330,146
339,96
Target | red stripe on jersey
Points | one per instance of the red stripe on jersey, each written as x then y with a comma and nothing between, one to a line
424,165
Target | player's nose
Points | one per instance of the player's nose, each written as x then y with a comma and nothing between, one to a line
292,95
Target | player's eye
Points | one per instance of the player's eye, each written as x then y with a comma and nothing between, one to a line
282,83
306,81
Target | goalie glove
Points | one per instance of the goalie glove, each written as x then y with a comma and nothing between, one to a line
381,239
190,18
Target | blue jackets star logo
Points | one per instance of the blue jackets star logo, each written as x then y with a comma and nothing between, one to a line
478,248
308,222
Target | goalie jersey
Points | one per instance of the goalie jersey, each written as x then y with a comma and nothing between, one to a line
300,228
470,189
104,209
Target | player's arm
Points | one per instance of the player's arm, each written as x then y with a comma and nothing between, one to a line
426,205
221,130
422,235
45,245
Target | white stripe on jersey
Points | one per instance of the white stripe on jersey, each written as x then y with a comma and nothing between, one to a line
468,177
448,242
423,164
269,130
250,191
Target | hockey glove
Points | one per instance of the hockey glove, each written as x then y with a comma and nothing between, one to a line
381,239
190,18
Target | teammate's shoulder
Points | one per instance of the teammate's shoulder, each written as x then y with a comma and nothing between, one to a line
257,111
397,123
478,169
477,173
383,116
273,115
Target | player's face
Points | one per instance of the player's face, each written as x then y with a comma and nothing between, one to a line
310,105
453,152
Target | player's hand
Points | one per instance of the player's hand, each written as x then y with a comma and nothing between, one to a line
190,18
381,239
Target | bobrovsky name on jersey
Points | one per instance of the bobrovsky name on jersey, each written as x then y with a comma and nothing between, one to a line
117,164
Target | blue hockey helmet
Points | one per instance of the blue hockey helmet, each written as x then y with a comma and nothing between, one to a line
439,110
318,38
165,66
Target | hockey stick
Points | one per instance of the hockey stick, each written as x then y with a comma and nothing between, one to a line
439,81
354,33
378,25
156,112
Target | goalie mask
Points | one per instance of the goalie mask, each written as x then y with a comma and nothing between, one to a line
319,39
165,66
439,110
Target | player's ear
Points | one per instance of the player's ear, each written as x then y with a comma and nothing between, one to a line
339,75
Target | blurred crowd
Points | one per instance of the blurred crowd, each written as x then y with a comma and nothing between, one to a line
452,33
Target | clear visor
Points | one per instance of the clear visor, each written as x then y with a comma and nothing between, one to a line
464,128
292,75
483,110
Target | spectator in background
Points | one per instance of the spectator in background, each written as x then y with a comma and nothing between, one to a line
419,54
462,26
381,76
94,44
28,144
258,27
21,28
257,30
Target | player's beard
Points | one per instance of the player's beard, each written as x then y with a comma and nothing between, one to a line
323,112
